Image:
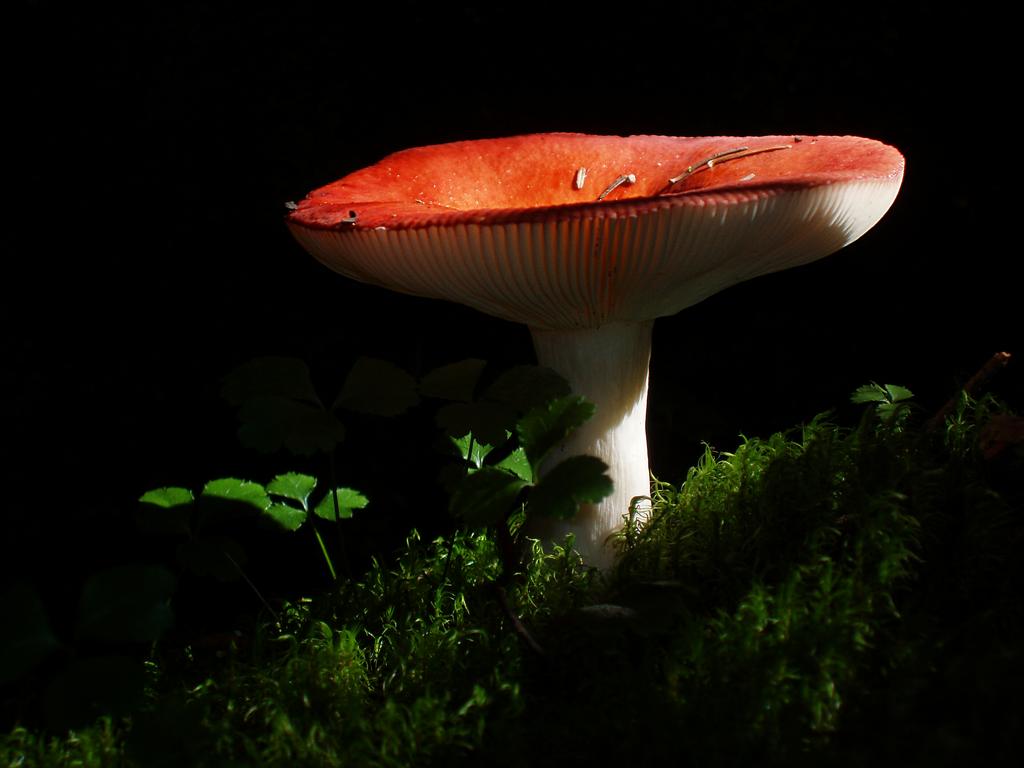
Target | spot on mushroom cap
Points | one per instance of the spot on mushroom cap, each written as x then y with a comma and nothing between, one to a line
502,226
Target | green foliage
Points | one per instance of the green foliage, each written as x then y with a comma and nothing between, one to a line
892,401
402,667
827,596
168,498
516,421
492,416
166,511
875,393
546,425
502,448
485,497
230,502
377,387
98,746
527,386
278,407
270,424
93,671
347,500
230,497
576,480
473,452
293,486
456,381
286,516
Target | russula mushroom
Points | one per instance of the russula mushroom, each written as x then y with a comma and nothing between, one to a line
587,239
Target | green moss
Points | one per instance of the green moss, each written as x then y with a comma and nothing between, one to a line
830,595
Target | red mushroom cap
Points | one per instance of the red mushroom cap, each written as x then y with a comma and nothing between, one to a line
503,225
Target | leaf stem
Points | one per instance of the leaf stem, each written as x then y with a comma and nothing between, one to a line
337,515
252,586
323,549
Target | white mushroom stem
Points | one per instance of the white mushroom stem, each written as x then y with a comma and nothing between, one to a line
608,366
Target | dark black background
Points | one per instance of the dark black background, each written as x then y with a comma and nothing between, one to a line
153,149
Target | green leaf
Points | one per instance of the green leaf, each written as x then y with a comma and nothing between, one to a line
517,463
233,489
166,511
167,498
293,486
377,387
285,377
478,453
453,382
27,638
897,393
527,386
272,423
577,480
489,422
869,393
486,497
547,425
286,516
348,500
873,393
230,498
127,604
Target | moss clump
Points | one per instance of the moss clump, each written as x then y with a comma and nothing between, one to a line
830,595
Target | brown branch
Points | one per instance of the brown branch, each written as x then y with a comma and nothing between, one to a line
517,624
995,363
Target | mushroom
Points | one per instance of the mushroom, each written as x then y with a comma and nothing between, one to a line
588,239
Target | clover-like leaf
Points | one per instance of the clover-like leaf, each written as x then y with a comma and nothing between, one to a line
869,393
572,482
229,498
897,393
377,387
471,449
167,498
286,516
456,381
285,377
486,496
272,423
517,463
527,386
545,426
293,486
233,489
489,422
166,511
348,500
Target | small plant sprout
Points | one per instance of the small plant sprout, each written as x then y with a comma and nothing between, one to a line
590,277
206,522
